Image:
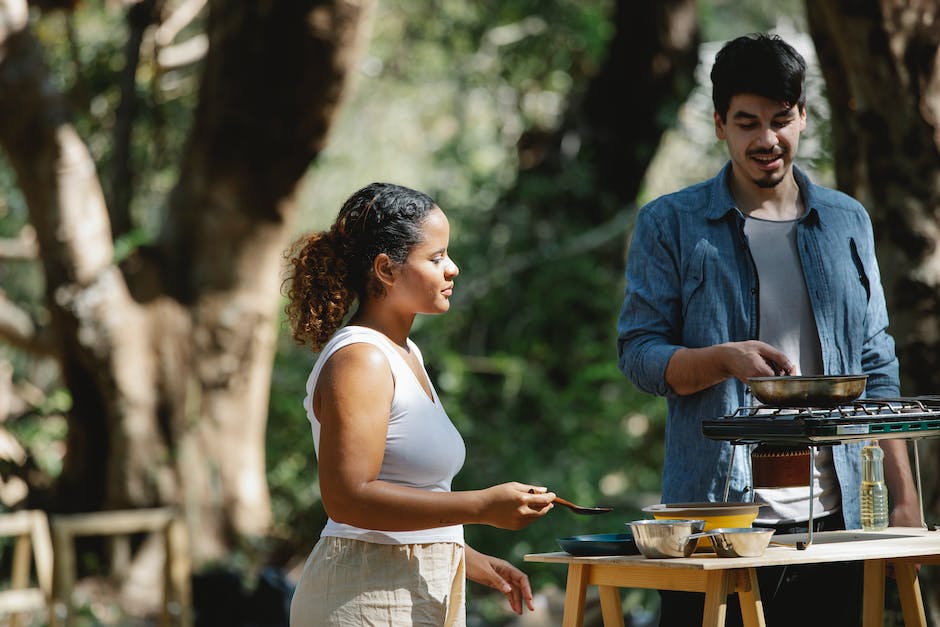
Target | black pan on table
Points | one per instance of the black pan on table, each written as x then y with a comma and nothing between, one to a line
598,544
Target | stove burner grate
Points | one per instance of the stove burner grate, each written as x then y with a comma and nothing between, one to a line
901,417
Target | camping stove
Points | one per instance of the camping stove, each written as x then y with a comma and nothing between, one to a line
911,418
865,419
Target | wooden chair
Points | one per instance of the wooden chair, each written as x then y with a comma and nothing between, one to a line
31,530
120,525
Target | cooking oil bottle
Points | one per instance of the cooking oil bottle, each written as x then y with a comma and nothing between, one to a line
874,492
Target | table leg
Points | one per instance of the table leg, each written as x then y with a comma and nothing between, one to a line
718,584
575,592
873,595
912,604
752,609
611,608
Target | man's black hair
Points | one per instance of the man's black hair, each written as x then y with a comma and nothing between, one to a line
759,64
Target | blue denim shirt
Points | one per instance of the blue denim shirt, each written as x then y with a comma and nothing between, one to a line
691,282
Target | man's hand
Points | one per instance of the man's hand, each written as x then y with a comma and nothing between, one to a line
691,370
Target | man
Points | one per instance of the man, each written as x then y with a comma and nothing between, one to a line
759,272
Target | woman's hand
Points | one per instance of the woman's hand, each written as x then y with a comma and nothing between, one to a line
500,575
515,505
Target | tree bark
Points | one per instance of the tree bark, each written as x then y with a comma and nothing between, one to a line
168,358
879,58
140,17
648,74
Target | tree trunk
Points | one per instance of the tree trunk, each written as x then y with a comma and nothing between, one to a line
168,358
647,76
879,58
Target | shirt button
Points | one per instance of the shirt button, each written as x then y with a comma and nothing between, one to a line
753,290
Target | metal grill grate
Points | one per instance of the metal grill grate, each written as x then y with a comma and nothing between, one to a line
902,417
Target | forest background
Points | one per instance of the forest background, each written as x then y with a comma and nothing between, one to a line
160,155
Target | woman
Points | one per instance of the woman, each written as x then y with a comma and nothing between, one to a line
392,551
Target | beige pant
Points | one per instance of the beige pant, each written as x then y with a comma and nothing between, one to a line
350,583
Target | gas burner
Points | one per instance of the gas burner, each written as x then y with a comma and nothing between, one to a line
864,419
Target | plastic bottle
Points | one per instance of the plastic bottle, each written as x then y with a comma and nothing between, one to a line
874,492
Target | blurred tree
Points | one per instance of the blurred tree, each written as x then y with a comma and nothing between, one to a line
167,356
879,58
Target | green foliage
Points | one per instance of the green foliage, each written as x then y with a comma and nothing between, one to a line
44,434
447,89
86,51
20,280
722,20
295,497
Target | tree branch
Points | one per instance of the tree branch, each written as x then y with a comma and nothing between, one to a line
23,246
184,53
19,329
179,19
14,14
139,18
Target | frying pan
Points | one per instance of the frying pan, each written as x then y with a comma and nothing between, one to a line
807,391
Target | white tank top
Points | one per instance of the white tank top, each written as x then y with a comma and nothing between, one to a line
423,449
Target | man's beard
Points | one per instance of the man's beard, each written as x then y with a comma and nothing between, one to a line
770,179
766,183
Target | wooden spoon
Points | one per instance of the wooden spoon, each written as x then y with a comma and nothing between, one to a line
577,509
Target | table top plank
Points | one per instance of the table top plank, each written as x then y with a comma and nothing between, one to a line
827,546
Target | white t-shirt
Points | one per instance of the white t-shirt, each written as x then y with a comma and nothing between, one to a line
423,449
787,323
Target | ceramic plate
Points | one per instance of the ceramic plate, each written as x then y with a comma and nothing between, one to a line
600,544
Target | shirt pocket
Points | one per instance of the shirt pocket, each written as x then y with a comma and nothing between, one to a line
856,291
704,294
693,275
860,269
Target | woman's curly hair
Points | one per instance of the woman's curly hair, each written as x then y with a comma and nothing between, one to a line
329,270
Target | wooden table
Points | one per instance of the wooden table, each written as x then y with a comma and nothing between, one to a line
718,577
